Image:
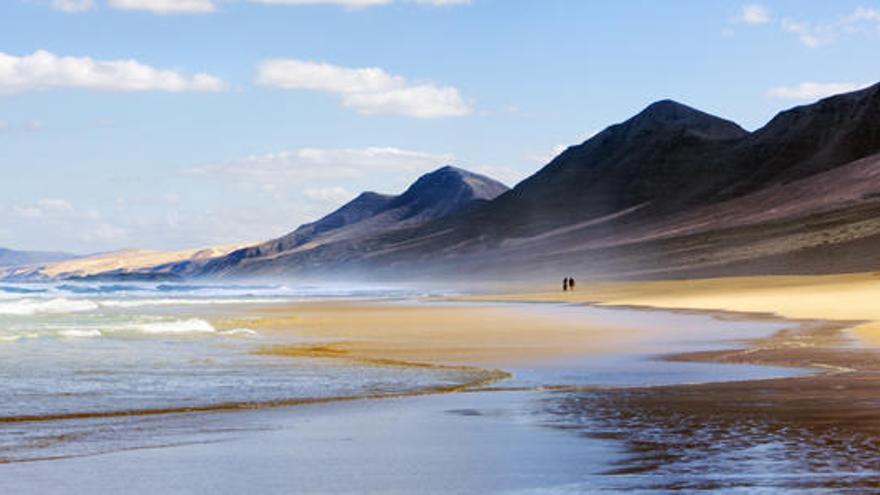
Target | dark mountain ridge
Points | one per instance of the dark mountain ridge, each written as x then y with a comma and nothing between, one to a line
435,195
671,189
666,160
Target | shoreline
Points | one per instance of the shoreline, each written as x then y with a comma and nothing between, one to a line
485,377
618,430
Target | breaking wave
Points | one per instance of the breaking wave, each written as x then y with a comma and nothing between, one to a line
26,307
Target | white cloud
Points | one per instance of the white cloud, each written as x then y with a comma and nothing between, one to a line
56,204
25,211
73,5
368,90
166,6
862,21
360,3
808,34
334,195
814,90
44,70
104,233
343,3
442,2
309,164
546,157
41,208
754,14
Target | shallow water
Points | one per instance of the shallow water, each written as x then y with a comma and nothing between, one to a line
84,350
110,349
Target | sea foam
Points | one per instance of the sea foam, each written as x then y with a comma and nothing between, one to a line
75,333
26,307
191,325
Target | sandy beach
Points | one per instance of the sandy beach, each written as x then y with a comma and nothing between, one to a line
737,387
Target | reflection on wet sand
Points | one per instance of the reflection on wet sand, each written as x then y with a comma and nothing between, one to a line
810,432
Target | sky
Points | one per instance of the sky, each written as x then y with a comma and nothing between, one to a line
170,124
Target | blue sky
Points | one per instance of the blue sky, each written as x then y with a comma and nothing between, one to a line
182,123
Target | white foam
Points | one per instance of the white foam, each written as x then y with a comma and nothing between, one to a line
245,332
192,325
86,333
14,338
26,307
138,303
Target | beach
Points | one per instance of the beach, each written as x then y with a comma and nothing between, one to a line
544,392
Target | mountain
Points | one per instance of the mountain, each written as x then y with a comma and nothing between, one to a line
671,189
438,194
129,264
9,257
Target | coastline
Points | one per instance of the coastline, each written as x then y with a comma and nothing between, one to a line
829,416
612,417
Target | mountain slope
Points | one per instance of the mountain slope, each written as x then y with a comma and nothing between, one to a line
114,264
670,190
664,180
433,196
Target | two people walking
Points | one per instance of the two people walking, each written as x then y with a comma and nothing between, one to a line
567,284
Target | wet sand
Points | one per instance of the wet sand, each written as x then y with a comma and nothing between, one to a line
821,428
534,435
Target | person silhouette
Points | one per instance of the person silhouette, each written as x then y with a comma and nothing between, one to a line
570,283
565,284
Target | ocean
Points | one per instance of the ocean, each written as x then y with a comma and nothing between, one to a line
74,356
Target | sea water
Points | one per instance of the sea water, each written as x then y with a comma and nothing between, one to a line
77,352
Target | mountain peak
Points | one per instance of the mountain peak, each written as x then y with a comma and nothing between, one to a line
680,118
450,187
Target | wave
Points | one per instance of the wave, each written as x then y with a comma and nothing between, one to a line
101,289
30,306
138,303
27,307
21,290
193,288
75,333
240,332
15,338
191,325
132,330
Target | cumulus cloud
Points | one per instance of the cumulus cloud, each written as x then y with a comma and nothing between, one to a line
862,21
814,90
369,90
165,6
360,3
73,5
41,208
44,70
754,14
334,195
308,164
343,3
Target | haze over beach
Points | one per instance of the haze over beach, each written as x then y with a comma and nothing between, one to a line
439,246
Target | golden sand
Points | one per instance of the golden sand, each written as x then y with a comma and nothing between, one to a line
849,297
131,260
480,335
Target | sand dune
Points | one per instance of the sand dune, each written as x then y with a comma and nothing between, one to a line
131,260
